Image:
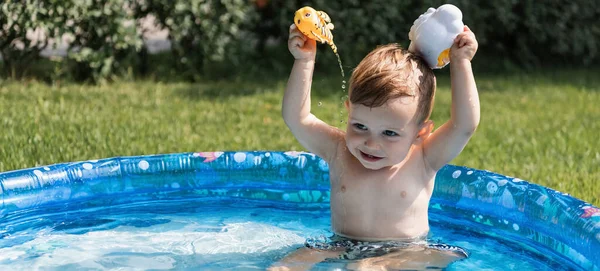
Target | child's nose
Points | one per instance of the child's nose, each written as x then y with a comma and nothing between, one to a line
371,143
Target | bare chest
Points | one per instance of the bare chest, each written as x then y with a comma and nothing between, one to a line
360,189
390,202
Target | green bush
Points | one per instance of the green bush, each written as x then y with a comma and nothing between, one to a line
359,27
527,33
220,37
533,33
105,37
16,18
203,32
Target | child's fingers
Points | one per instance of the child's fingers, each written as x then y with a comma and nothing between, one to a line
469,36
297,34
296,42
294,34
459,37
459,40
464,40
294,29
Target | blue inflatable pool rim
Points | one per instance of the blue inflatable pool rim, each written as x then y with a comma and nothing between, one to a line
509,207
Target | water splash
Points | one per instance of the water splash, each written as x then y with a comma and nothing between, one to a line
342,71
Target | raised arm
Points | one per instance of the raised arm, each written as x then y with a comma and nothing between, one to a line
450,139
315,135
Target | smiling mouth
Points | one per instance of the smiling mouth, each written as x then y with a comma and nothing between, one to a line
370,158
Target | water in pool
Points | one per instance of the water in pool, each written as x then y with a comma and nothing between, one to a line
213,234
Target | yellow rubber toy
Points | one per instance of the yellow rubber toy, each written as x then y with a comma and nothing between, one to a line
315,25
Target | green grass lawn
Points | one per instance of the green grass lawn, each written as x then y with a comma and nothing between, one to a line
541,127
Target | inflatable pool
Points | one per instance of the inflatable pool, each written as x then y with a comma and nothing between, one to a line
245,210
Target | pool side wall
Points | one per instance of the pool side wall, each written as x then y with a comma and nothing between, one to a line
503,206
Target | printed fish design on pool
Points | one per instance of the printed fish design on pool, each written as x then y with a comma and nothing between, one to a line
589,211
210,156
315,25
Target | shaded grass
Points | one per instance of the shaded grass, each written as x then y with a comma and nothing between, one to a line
541,127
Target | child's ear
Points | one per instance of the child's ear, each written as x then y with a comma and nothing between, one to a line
425,131
347,104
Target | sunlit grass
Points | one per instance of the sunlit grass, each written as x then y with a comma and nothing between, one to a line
539,127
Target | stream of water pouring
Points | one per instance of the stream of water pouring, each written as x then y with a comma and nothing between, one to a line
343,86
342,70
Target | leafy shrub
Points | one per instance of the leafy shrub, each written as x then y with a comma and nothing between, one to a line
203,31
533,33
219,37
526,32
17,19
105,37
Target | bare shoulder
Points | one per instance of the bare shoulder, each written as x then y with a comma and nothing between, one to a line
317,136
338,150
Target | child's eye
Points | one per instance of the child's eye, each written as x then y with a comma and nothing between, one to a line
390,133
360,126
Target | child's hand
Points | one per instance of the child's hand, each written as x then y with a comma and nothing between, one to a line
464,47
300,46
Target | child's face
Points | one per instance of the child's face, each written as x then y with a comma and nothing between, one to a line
382,136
